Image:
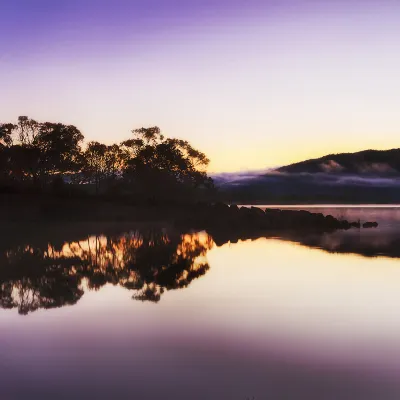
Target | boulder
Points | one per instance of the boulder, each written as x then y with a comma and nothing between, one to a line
221,207
234,208
370,225
331,222
345,225
257,212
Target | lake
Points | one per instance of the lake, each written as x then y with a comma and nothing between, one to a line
154,313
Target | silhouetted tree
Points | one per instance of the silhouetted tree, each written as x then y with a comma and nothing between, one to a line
26,130
35,152
159,166
6,131
94,163
59,147
102,163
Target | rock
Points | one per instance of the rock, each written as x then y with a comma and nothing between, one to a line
257,211
332,222
345,225
244,211
245,219
221,207
273,211
370,225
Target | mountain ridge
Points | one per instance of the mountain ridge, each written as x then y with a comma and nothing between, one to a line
373,162
368,176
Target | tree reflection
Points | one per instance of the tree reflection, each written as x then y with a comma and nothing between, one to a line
148,263
43,274
33,278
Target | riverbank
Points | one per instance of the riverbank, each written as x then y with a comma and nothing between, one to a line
222,217
43,210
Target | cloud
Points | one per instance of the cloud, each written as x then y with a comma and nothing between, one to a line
298,179
331,166
235,178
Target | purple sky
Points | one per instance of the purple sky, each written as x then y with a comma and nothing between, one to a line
252,83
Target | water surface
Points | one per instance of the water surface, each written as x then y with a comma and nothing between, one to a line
155,313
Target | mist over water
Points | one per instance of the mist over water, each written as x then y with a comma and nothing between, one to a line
154,313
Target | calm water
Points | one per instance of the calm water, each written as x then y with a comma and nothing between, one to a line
154,314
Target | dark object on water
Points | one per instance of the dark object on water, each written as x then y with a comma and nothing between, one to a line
370,225
355,224
232,218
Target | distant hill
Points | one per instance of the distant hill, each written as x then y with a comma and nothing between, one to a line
369,176
368,162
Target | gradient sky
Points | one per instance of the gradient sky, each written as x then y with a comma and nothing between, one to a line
252,83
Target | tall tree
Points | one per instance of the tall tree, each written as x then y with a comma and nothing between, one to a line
26,130
158,164
6,131
94,163
103,163
60,148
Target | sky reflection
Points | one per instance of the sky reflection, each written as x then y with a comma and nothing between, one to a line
269,317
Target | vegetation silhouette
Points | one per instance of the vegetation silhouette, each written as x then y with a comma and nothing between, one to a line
367,162
46,157
149,262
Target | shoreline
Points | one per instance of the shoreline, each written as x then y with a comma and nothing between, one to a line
319,205
47,210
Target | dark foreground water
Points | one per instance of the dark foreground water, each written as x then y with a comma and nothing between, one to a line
156,314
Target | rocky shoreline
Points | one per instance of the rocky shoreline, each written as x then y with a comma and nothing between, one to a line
223,216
